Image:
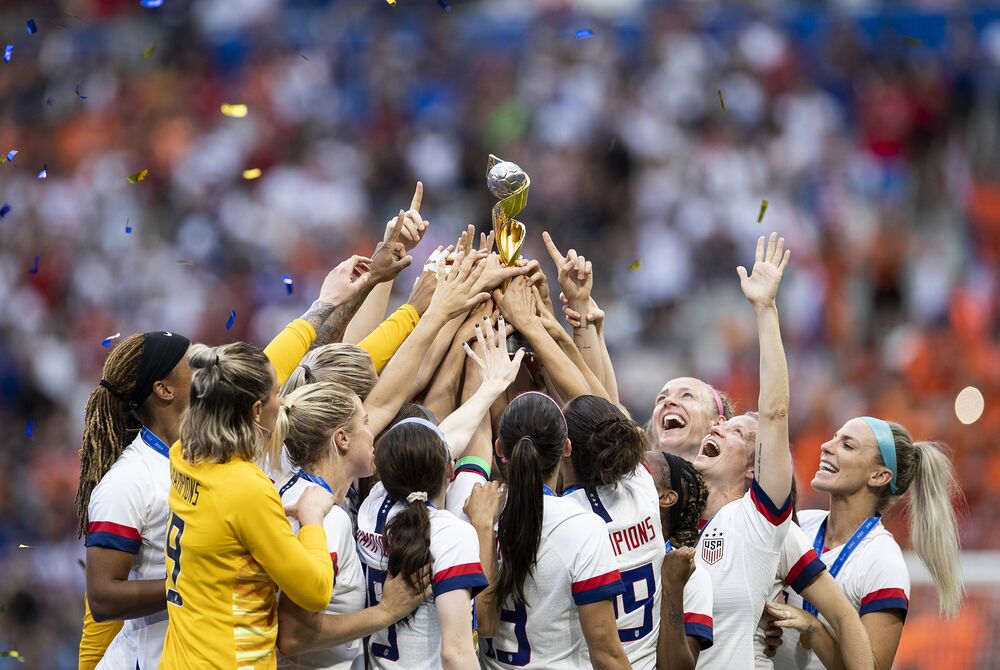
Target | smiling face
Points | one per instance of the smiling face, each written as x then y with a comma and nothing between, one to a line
725,456
850,462
685,411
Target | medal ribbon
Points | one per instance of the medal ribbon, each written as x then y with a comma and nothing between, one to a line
845,553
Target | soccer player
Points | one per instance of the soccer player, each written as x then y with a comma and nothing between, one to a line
606,475
402,527
868,465
551,604
741,542
686,623
686,408
325,430
229,546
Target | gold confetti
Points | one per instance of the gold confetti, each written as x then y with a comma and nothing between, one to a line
25,546
392,3
912,41
763,208
234,111
252,173
634,266
138,176
12,653
721,103
149,50
969,405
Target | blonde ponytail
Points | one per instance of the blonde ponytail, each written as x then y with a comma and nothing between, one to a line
933,527
307,419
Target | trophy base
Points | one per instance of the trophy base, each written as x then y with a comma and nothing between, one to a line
517,341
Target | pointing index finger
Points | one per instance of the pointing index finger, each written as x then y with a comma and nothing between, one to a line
418,196
554,253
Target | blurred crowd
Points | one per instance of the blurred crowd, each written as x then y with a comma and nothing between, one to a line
873,135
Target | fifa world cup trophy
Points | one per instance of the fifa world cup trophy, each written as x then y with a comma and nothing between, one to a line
509,184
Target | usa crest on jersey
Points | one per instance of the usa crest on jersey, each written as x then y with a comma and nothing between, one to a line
712,548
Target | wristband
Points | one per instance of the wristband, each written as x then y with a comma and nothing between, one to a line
476,461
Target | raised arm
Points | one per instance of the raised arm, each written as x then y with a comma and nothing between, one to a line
569,347
595,316
773,460
673,649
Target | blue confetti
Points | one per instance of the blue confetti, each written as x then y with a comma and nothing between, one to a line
11,154
151,4
32,27
287,281
48,101
34,270
232,319
45,172
8,52
5,210
584,34
29,429
81,96
106,342
444,5
128,228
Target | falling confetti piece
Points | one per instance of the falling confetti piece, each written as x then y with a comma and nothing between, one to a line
83,566
12,653
106,342
232,319
128,228
444,5
45,172
34,270
912,41
5,210
634,266
584,34
763,208
392,3
8,52
148,51
32,27
25,546
184,261
721,103
11,154
234,111
252,173
289,284
48,101
78,94
151,4
29,429
969,405
138,176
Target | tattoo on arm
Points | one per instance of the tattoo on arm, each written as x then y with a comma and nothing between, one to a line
318,314
676,618
335,325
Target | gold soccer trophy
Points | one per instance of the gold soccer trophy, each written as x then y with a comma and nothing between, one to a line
509,184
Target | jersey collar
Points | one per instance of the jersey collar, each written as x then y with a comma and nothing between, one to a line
154,442
547,491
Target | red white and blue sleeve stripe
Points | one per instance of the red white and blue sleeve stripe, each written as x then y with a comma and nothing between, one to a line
805,570
699,626
884,599
112,535
466,576
602,587
774,514
336,565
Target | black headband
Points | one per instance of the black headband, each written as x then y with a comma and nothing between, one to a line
161,352
675,464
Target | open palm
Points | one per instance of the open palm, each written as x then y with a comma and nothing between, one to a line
761,285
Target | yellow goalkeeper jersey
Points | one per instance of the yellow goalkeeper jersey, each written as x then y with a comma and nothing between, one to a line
229,548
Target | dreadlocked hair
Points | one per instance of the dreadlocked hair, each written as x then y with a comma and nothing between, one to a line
106,425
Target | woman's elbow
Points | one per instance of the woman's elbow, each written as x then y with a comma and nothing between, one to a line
288,643
455,658
101,609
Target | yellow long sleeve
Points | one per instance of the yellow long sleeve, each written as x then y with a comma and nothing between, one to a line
289,346
96,637
383,342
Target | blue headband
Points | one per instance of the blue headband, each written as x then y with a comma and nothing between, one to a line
886,444
427,424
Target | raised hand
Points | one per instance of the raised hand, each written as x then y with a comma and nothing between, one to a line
576,274
423,290
346,280
678,566
761,286
496,368
390,257
595,315
538,279
457,292
496,273
400,598
413,226
467,331
517,303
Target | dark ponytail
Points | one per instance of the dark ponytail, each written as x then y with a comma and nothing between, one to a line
532,435
607,445
411,459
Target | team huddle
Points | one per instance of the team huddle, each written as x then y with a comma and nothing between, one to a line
407,492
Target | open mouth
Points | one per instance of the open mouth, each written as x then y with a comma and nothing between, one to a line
710,448
671,421
828,468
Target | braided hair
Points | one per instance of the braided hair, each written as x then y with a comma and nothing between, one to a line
110,421
680,476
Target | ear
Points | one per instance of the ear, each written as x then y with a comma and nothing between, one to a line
450,471
719,419
668,499
162,391
256,410
880,478
567,449
341,439
498,450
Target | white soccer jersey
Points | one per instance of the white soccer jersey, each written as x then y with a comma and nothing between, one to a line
873,578
349,579
631,513
455,550
128,512
467,475
698,608
740,548
575,566
797,568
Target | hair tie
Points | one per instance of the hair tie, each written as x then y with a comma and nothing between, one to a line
217,359
718,401
886,445
417,495
307,370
